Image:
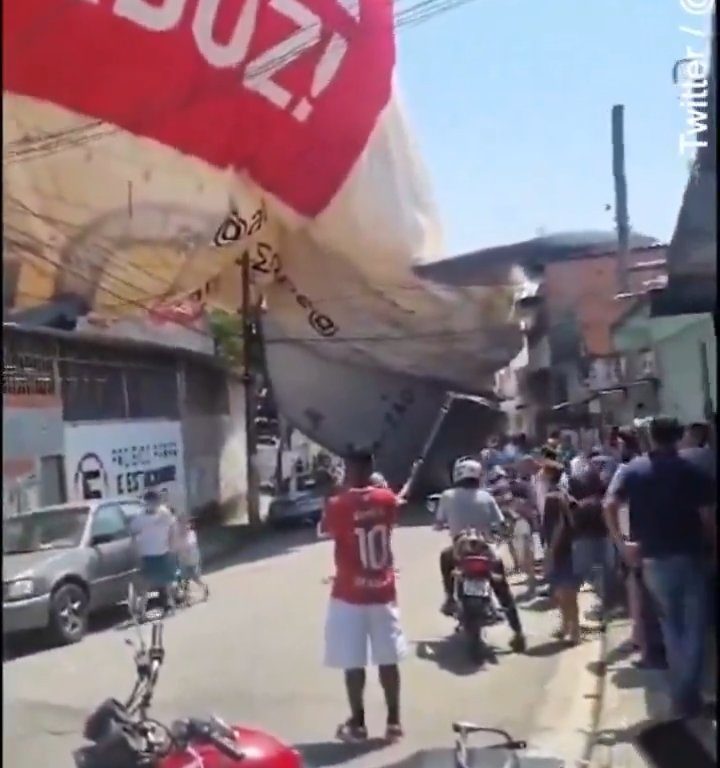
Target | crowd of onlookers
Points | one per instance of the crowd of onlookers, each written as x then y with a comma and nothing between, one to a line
634,516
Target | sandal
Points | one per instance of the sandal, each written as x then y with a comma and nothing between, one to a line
350,733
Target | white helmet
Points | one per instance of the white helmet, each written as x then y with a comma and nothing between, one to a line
466,469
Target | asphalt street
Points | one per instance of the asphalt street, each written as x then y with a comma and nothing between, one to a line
252,655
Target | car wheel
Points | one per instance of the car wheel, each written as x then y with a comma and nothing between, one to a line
68,614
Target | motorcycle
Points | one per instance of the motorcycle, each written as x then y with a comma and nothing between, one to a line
124,735
474,610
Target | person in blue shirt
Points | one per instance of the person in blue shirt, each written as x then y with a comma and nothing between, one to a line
697,449
671,515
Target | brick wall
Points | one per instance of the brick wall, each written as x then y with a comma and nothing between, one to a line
588,287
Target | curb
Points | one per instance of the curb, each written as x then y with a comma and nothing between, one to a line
598,701
566,724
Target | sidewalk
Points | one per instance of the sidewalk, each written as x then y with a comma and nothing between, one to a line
227,537
632,700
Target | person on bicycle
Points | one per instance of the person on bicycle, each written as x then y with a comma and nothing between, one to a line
467,506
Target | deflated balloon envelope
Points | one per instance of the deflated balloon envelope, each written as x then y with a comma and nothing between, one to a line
175,137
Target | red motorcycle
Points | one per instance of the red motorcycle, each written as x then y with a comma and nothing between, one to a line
473,593
123,735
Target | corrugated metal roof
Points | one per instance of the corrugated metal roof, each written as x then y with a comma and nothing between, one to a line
480,267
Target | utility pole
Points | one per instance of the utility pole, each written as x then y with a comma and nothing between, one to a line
253,488
621,203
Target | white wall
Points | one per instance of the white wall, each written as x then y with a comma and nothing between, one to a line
681,394
125,458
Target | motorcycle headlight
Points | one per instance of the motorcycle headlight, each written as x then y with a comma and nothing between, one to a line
18,590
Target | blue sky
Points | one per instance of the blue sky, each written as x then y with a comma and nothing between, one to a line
510,103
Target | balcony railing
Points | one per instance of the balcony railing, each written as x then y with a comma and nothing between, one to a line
620,370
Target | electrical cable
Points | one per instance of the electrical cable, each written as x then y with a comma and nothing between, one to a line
418,13
166,294
380,338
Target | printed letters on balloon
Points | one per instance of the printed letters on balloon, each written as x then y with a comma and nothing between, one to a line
287,90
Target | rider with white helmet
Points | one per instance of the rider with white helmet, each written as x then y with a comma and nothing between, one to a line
467,506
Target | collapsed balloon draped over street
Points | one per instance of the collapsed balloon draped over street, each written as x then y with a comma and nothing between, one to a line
149,145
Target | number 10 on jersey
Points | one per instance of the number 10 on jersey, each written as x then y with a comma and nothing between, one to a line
374,547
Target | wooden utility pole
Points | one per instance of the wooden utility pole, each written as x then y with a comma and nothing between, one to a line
621,202
253,487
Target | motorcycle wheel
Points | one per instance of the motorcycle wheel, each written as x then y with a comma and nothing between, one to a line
476,642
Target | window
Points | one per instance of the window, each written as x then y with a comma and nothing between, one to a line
92,391
206,391
109,522
131,509
28,365
152,393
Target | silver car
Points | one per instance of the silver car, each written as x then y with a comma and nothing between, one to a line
62,563
301,507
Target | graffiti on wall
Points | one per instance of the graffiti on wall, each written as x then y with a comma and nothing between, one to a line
125,459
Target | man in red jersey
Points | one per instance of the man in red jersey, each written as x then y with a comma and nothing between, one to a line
363,605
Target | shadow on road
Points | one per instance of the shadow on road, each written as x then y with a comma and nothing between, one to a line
28,644
544,650
241,545
326,753
451,655
662,744
531,603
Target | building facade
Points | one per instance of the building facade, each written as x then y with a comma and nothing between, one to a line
572,375
89,416
684,350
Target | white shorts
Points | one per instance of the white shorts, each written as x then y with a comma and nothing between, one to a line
350,628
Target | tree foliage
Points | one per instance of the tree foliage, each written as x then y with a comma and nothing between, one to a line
227,331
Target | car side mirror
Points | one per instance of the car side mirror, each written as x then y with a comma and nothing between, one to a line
100,538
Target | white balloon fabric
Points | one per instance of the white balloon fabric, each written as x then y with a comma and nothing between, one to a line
148,145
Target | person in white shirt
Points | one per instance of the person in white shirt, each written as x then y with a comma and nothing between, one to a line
578,464
466,507
153,532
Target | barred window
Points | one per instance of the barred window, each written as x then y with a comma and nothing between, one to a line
28,365
152,393
206,391
92,391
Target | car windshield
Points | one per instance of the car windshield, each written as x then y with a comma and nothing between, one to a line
60,528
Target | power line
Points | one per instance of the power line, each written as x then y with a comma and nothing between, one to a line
49,144
381,338
111,260
114,262
53,142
